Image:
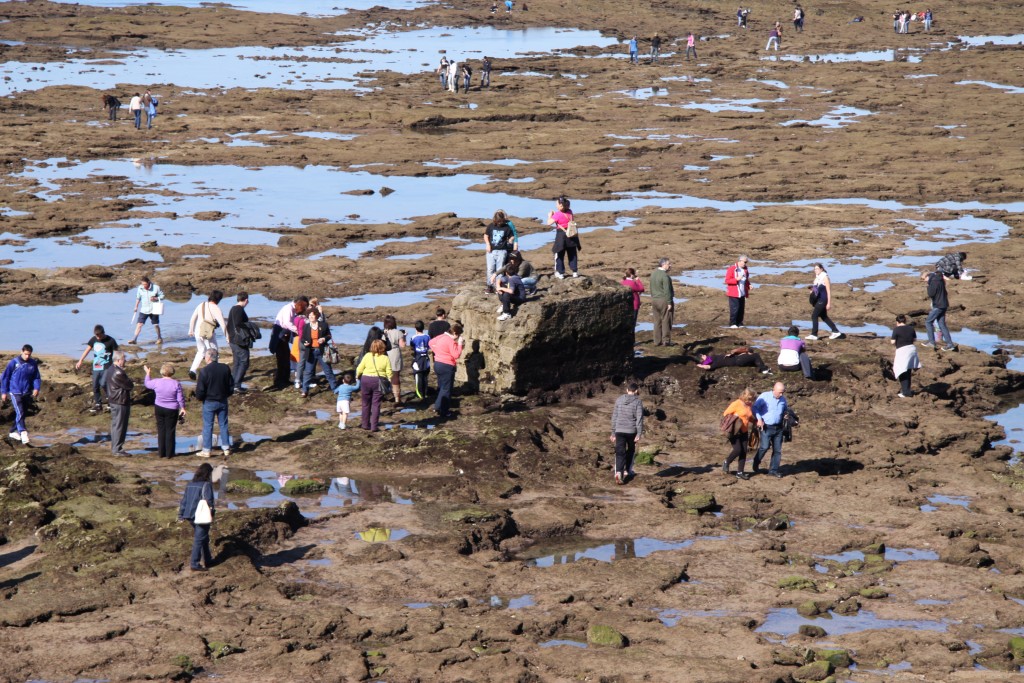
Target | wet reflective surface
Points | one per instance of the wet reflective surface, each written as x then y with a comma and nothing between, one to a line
787,622
566,551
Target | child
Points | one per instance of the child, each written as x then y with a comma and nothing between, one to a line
420,359
348,386
627,428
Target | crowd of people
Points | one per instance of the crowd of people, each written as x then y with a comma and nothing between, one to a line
139,104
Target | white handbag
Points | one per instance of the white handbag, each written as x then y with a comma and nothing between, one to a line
203,513
158,308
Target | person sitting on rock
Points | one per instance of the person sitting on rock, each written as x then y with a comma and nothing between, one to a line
793,354
742,357
511,291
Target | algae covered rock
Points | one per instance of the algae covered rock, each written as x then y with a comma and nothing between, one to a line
873,593
797,583
812,631
605,636
837,658
790,657
218,649
965,552
812,608
694,503
874,549
1016,646
815,671
298,487
250,487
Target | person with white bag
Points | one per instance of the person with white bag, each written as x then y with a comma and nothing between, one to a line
149,304
197,507
203,326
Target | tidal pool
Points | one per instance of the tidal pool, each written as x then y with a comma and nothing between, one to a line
567,551
311,8
787,622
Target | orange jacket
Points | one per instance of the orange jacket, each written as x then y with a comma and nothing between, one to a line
742,412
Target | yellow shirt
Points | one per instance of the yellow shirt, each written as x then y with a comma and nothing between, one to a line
374,366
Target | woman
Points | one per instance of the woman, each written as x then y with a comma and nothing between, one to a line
821,299
740,357
564,245
793,353
169,407
906,360
198,489
396,338
373,368
316,335
203,327
745,417
633,282
447,348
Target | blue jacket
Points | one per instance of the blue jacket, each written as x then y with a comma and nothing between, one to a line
345,391
20,376
195,491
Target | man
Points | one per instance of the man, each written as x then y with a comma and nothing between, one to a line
119,397
440,325
769,409
655,48
442,72
485,73
634,51
147,294
281,339
940,302
135,107
627,428
951,266
213,388
511,291
241,341
20,377
102,346
662,297
737,288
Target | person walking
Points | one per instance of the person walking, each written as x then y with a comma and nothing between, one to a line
798,19
203,327
135,108
793,353
200,488
420,343
627,428
773,39
241,339
631,281
691,46
316,337
281,336
150,103
447,348
119,398
937,316
485,73
655,48
769,409
737,288
168,408
662,301
102,347
634,51
20,378
396,338
906,359
564,245
821,300
213,388
148,298
372,374
741,433
500,238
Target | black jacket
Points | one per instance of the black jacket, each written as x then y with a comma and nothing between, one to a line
236,318
215,383
307,334
119,387
937,290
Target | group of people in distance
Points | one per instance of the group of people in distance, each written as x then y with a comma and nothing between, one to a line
451,73
138,104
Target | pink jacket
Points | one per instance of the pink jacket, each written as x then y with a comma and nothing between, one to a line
446,349
637,288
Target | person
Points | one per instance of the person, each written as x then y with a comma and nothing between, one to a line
316,336
631,281
102,347
508,6
20,377
691,46
203,327
769,409
485,73
467,76
773,39
564,245
395,343
241,341
937,316
655,48
168,407
793,353
112,105
135,108
119,398
420,343
150,103
373,369
951,266
447,348
906,359
741,17
453,76
442,72
662,301
147,294
741,409
526,271
741,357
281,337
821,300
737,288
798,19
440,324
213,388
500,238
634,51
627,428
348,386
200,488
928,18
372,335
511,291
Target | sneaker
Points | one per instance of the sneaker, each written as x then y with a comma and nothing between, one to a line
203,453
132,341
966,277
929,345
192,375
24,438
725,467
811,337
96,409
766,371
341,425
777,475
159,340
504,316
742,475
902,395
500,309
225,452
618,477
734,327
575,274
835,335
560,276
951,347
14,435
298,384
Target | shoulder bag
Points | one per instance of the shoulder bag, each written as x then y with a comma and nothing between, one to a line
571,229
331,355
206,327
385,383
203,513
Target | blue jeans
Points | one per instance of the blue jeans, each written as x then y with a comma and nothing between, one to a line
220,410
495,262
634,57
445,382
200,545
772,434
314,356
99,382
530,283
138,117
938,316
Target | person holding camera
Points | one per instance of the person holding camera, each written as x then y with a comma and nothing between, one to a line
168,406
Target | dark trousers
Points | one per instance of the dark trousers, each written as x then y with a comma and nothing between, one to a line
200,545
99,383
771,435
113,113
507,301
740,360
239,363
737,307
905,382
283,352
445,382
625,450
118,426
739,450
820,312
571,252
369,391
166,430
689,50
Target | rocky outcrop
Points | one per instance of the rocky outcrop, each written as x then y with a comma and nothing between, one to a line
571,330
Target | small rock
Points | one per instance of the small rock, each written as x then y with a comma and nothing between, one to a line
812,631
874,593
797,583
815,671
966,552
837,658
605,636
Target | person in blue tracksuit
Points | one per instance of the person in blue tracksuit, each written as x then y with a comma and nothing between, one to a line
21,377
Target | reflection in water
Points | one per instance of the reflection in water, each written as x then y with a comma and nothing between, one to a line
381,535
566,552
787,622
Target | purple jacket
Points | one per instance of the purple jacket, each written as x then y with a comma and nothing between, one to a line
168,392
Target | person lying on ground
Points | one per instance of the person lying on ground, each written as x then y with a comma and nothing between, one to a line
742,357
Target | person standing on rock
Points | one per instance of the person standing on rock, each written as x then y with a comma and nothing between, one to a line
119,397
633,282
447,348
906,359
168,407
500,238
627,428
150,103
203,327
662,301
200,488
739,436
691,46
281,337
442,72
102,347
21,377
774,36
315,338
564,245
737,288
147,294
798,19
135,107
485,73
655,48
937,316
634,51
440,324
241,339
821,300
769,409
213,388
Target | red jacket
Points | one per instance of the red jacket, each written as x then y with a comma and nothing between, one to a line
732,283
446,349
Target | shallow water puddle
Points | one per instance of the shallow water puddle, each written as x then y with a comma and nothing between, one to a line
561,642
566,552
311,8
354,250
1012,422
787,622
838,117
69,252
1008,89
893,554
671,617
936,500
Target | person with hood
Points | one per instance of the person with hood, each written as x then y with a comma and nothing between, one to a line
627,428
21,376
